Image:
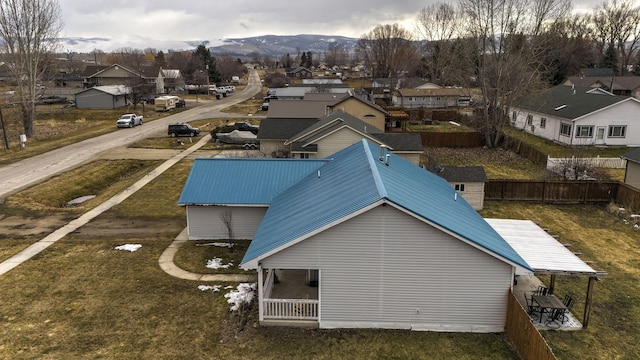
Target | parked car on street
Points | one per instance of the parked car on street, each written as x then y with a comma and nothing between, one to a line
182,129
129,121
181,103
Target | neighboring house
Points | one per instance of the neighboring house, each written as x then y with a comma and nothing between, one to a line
103,97
98,75
384,243
299,73
617,85
431,98
275,131
339,130
632,171
170,81
579,116
316,105
468,181
297,92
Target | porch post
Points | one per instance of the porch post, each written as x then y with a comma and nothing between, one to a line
552,283
587,304
260,296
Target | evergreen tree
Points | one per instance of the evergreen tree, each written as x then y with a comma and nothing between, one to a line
610,59
309,61
160,59
209,62
636,66
303,59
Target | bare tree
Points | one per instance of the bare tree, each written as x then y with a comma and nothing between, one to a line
618,22
226,216
508,52
29,30
388,51
439,25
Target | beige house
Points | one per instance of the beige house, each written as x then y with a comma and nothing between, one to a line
431,98
468,181
98,75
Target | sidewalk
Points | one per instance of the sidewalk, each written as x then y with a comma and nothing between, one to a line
166,260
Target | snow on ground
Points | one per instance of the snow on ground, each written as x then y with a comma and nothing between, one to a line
243,295
214,288
218,244
129,247
216,263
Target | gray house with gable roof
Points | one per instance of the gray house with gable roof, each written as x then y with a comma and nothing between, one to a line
579,116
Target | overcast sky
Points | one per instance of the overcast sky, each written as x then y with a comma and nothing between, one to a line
179,24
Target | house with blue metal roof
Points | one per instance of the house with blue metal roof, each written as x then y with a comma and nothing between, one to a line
366,239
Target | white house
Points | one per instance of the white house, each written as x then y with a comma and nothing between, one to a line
383,243
579,116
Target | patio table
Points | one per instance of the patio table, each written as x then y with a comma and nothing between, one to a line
551,303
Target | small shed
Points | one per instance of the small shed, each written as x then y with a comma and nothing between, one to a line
632,171
468,181
103,97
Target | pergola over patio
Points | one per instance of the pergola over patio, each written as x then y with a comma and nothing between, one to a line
546,255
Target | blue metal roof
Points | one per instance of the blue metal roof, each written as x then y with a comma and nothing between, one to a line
356,178
214,181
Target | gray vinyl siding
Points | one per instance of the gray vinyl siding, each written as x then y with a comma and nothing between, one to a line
205,222
387,269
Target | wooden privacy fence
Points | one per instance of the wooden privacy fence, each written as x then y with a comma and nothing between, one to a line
527,340
451,139
628,196
553,192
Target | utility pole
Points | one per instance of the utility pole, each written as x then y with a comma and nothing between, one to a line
4,131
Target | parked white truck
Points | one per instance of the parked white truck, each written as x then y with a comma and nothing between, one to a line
129,121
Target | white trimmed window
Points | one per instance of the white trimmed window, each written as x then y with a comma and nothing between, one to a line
584,131
617,130
565,129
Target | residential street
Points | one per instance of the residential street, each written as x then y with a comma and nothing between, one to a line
25,173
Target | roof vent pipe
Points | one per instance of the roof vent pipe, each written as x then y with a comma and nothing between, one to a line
386,159
455,196
318,173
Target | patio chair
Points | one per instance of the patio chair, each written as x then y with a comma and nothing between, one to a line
542,290
531,308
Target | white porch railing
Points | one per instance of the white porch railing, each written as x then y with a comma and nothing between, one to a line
290,309
268,284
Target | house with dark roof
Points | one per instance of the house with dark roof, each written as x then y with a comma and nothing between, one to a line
632,169
617,85
579,116
379,241
97,75
299,73
431,98
468,181
329,134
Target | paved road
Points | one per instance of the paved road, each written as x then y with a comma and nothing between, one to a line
25,173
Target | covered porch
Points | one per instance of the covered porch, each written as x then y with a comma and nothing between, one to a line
289,297
546,256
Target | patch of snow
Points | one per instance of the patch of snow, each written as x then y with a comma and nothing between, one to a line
214,288
129,247
80,200
216,263
243,295
219,244
228,287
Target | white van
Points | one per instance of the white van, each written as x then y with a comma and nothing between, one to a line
165,103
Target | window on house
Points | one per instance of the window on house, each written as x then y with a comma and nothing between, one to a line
514,116
543,123
584,131
565,129
304,156
459,187
617,130
529,119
